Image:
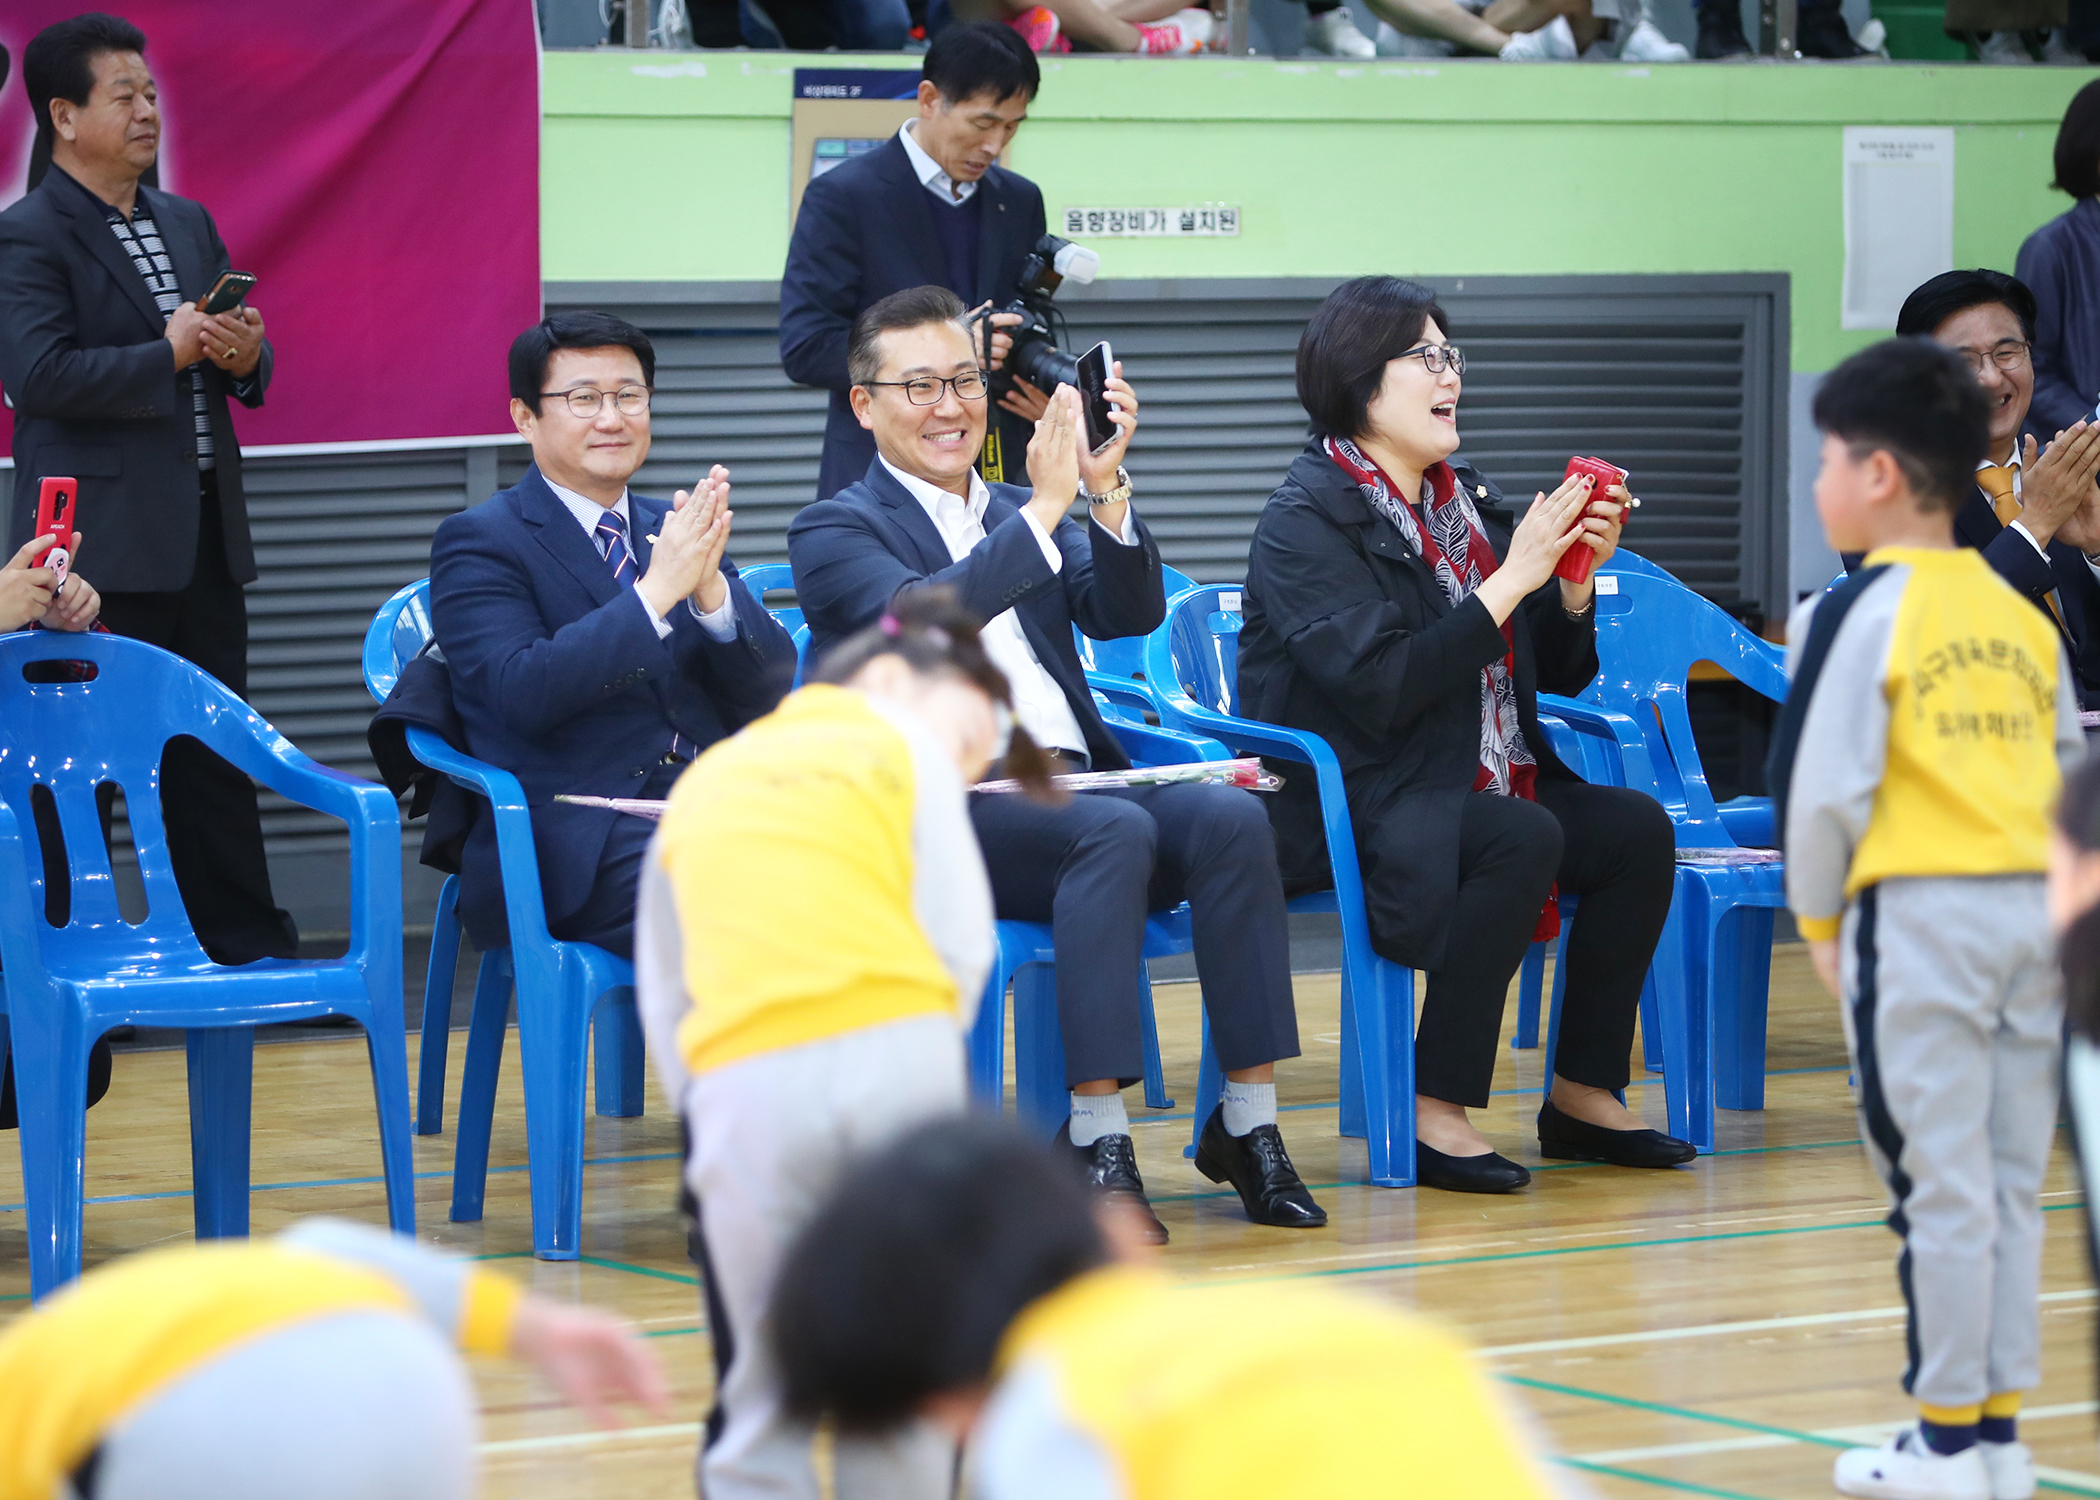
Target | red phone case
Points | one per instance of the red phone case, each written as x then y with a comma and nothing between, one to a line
1576,562
55,518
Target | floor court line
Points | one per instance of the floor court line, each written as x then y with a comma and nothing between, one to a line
1682,1486
1870,1433
557,1441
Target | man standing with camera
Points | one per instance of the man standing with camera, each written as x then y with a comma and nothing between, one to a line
119,380
926,208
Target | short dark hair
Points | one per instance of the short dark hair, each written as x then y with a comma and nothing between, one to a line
969,58
1343,352
59,62
914,307
1953,292
903,1284
2078,145
530,350
1920,404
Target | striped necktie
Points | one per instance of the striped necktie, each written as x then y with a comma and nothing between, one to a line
612,541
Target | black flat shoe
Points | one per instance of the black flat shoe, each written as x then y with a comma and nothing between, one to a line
1569,1139
1110,1168
1467,1174
1258,1166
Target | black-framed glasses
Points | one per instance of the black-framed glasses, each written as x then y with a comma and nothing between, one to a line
586,403
2007,354
1436,358
925,390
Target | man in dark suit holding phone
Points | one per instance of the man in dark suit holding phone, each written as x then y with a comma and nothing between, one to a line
118,379
925,208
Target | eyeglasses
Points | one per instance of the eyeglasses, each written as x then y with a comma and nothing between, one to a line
2008,356
925,390
585,403
1436,358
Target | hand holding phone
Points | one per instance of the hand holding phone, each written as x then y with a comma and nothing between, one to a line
1095,367
1575,563
227,293
55,518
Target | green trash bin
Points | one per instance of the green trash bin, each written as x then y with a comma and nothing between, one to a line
1917,33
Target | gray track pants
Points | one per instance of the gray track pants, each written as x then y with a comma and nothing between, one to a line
1954,1014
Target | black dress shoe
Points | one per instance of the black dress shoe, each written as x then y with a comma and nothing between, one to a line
1721,33
1467,1174
1823,33
1110,1167
1564,1136
1257,1165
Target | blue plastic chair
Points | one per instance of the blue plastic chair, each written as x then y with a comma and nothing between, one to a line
68,985
1025,959
1192,667
1123,659
1713,968
567,992
765,578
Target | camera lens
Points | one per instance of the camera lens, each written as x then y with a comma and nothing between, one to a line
1041,363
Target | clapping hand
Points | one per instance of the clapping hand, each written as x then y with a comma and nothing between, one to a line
686,562
2057,497
1547,530
1053,459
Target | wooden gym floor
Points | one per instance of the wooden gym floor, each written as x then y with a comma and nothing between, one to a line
1718,1330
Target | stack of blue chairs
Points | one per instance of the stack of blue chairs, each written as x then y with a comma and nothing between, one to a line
61,741
564,989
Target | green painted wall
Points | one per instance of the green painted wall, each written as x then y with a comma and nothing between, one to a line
675,167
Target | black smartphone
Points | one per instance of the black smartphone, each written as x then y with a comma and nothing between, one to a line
1094,368
227,292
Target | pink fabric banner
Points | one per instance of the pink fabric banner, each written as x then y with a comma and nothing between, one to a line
376,165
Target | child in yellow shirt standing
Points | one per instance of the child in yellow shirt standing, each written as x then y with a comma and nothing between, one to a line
1916,762
814,928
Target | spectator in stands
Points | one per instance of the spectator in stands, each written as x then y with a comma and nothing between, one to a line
1397,609
117,379
2035,514
1093,867
1522,30
1159,28
1819,31
928,207
597,640
957,1276
2060,265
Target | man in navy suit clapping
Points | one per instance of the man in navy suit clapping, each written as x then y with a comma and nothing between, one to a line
597,640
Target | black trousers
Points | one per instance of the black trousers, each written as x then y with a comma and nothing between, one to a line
1094,867
1612,847
606,917
215,841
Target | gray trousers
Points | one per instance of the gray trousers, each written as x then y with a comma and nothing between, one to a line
770,1136
1954,1014
348,1407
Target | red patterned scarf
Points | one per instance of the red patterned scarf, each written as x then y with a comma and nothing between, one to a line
1449,537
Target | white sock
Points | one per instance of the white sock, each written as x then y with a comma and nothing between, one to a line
1248,1105
1096,1115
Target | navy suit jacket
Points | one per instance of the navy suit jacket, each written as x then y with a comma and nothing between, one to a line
855,552
560,678
866,230
2014,559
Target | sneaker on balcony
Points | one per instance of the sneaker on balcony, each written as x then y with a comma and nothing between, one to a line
1182,33
1335,33
1039,28
1646,43
2002,47
1553,42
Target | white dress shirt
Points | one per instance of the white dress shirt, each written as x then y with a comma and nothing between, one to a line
931,172
1040,705
720,623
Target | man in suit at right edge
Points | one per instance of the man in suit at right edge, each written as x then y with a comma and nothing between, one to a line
2035,515
927,207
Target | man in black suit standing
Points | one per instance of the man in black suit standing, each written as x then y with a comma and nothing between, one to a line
2035,515
1093,867
926,208
118,380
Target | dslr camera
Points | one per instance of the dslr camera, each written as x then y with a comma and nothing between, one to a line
1036,357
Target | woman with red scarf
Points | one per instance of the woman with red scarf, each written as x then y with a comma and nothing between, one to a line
1396,608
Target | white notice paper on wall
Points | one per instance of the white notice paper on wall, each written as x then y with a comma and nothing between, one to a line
1899,218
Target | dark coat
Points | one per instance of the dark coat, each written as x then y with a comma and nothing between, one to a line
1347,634
2013,558
96,392
2060,263
866,230
422,699
559,677
857,551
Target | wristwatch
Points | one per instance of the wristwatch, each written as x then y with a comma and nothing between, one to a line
1115,496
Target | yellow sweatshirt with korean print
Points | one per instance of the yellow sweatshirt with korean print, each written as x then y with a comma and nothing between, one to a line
1937,729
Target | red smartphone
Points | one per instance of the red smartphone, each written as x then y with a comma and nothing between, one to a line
55,519
1576,562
